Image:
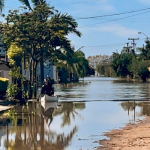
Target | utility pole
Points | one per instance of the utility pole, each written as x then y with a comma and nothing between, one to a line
134,44
128,47
128,50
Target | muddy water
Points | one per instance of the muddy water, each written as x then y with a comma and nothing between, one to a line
84,111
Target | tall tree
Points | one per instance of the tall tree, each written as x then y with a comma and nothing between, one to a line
1,5
40,33
25,2
121,63
145,51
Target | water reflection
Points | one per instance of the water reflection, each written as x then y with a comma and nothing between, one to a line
131,90
131,106
74,125
103,88
25,127
67,110
72,90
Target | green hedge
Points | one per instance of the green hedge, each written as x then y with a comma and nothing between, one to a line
3,85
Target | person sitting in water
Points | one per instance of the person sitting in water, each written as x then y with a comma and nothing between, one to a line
49,80
50,85
47,87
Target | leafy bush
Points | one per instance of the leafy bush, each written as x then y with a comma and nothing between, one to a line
12,90
143,71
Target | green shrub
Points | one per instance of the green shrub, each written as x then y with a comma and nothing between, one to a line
12,90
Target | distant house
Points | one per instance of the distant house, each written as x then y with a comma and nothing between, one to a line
49,69
4,70
95,60
52,73
4,65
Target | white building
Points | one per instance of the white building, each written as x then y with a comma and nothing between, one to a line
95,60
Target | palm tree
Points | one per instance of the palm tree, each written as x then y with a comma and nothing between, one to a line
80,63
24,2
144,51
56,28
1,5
73,63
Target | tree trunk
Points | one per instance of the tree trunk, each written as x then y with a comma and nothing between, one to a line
34,79
41,71
31,74
19,95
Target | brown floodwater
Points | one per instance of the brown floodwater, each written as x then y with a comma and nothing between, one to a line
77,121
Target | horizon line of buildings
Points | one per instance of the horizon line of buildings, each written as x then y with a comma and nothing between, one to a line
97,59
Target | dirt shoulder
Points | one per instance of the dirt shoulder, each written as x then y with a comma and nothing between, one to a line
131,137
3,108
5,105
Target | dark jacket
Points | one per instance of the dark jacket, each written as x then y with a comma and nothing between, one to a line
47,87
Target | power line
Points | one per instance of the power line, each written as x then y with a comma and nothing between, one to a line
109,44
75,3
113,14
114,19
106,45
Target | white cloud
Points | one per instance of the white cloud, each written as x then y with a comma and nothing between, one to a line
118,30
107,7
92,8
145,1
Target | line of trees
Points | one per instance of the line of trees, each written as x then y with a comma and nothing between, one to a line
129,65
133,65
37,35
104,69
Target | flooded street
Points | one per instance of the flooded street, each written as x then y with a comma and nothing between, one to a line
84,111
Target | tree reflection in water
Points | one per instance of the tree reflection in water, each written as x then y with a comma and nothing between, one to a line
68,109
131,106
27,132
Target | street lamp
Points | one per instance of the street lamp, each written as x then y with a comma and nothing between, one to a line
144,34
80,48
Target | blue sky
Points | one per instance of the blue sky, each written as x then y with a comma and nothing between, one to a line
98,35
